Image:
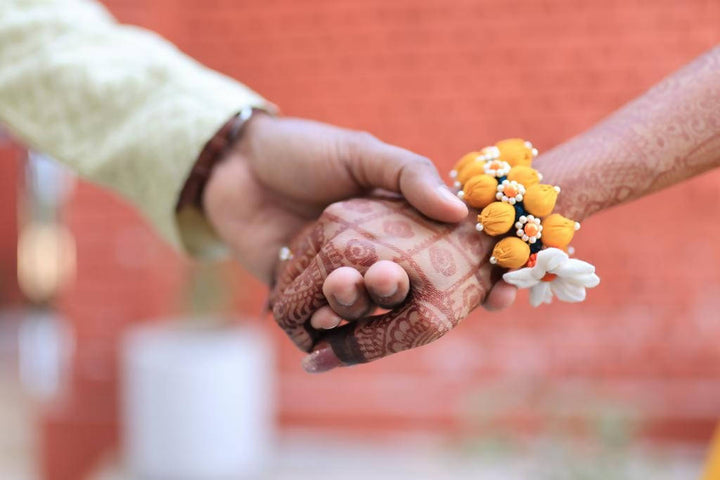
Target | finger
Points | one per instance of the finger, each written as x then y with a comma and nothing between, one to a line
387,283
375,164
325,318
501,296
369,339
344,289
293,306
302,250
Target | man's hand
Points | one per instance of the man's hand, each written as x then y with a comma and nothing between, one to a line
283,172
445,267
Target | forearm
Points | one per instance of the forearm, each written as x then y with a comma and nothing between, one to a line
667,135
118,104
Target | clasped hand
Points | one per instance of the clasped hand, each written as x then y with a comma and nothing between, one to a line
370,226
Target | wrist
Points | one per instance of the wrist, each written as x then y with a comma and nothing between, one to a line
214,152
591,170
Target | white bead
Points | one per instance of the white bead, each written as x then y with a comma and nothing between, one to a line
493,260
461,194
520,232
539,235
453,173
498,196
523,218
577,226
528,144
457,184
285,254
571,250
533,239
535,152
479,227
525,238
518,197
557,189
518,225
540,176
511,201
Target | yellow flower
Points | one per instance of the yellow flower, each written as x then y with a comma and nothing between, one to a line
464,161
476,167
484,155
496,219
540,199
510,252
516,151
525,175
479,191
558,231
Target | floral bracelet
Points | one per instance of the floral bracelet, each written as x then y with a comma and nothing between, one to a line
500,181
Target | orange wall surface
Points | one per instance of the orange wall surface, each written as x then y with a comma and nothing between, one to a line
441,77
10,163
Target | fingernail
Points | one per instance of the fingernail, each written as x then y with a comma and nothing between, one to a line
334,322
347,298
321,361
445,192
390,292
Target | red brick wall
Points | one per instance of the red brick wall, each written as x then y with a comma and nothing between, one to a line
443,77
10,163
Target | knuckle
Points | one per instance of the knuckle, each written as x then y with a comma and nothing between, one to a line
422,161
356,143
362,137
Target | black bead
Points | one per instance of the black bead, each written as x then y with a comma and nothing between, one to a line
536,247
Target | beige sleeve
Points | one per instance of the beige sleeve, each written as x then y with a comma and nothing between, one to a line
119,105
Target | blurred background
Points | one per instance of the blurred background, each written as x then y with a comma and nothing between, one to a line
117,355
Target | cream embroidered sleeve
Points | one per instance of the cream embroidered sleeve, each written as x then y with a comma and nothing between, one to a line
118,104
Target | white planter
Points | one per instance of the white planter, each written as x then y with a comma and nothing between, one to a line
197,404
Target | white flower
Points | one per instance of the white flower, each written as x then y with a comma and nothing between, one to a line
554,273
510,191
497,168
528,228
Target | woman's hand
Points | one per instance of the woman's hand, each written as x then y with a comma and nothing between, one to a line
445,267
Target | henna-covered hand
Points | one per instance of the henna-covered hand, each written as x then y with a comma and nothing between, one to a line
668,135
447,266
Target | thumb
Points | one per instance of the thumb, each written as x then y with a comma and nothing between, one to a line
375,164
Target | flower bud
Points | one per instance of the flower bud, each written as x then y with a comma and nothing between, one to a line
510,252
516,151
540,199
480,190
465,160
497,218
558,231
526,176
476,167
